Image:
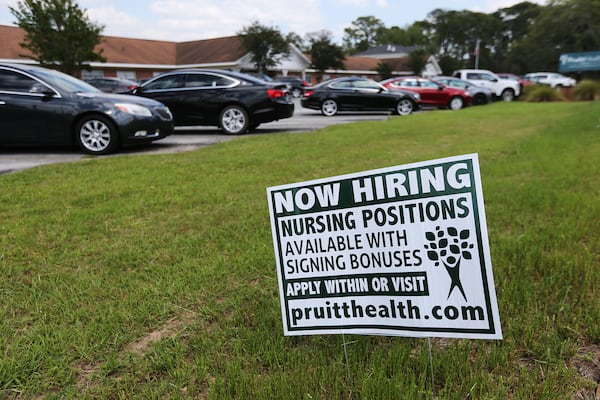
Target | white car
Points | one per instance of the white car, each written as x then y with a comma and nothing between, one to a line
505,89
551,78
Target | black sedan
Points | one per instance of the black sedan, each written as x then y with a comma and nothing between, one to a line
358,94
39,106
233,101
113,85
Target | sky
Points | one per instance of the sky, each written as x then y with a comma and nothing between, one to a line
186,20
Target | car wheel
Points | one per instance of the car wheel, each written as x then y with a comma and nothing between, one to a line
296,92
233,120
96,135
479,100
329,108
404,107
508,95
456,103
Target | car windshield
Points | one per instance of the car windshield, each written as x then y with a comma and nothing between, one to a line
64,82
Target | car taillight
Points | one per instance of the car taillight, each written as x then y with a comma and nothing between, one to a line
275,93
308,93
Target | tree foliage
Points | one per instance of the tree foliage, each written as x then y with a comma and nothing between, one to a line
324,52
58,33
265,43
362,34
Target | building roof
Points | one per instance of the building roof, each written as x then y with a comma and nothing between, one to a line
354,63
219,52
120,50
387,51
137,51
210,51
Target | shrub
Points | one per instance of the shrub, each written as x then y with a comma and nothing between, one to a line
542,93
586,90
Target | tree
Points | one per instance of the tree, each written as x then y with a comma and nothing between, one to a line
266,44
385,70
564,26
324,53
417,60
58,33
413,35
296,40
362,34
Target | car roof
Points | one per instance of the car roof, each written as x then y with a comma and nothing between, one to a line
23,67
233,74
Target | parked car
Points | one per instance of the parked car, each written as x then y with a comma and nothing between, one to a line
551,78
358,94
524,82
479,94
505,89
432,94
113,85
233,101
295,84
42,107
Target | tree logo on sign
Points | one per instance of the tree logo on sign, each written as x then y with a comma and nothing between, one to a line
449,247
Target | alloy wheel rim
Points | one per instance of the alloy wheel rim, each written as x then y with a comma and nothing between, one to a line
233,120
404,107
95,135
329,108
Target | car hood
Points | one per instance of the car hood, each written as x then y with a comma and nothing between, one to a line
120,98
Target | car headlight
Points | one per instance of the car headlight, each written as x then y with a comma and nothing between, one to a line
134,109
416,96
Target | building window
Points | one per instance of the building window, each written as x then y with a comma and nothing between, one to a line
126,75
96,73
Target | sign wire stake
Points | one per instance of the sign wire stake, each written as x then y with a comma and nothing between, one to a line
431,366
346,357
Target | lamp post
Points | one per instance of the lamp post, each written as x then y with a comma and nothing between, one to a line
477,54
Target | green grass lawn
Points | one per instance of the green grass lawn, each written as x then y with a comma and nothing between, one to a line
153,277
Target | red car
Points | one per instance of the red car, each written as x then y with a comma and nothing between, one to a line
432,94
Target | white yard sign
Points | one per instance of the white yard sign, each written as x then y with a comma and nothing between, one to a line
397,251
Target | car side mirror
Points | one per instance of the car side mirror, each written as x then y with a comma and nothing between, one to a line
38,88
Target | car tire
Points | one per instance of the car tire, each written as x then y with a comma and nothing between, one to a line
296,92
479,100
404,107
97,135
234,120
508,95
456,103
329,108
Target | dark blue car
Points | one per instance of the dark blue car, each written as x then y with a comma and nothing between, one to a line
41,107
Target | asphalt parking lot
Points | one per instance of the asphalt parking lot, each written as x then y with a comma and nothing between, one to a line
185,139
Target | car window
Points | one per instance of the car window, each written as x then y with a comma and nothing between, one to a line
457,84
473,75
342,85
207,80
11,81
164,82
366,84
65,82
408,83
429,84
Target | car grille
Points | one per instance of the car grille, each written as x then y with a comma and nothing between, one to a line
164,113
